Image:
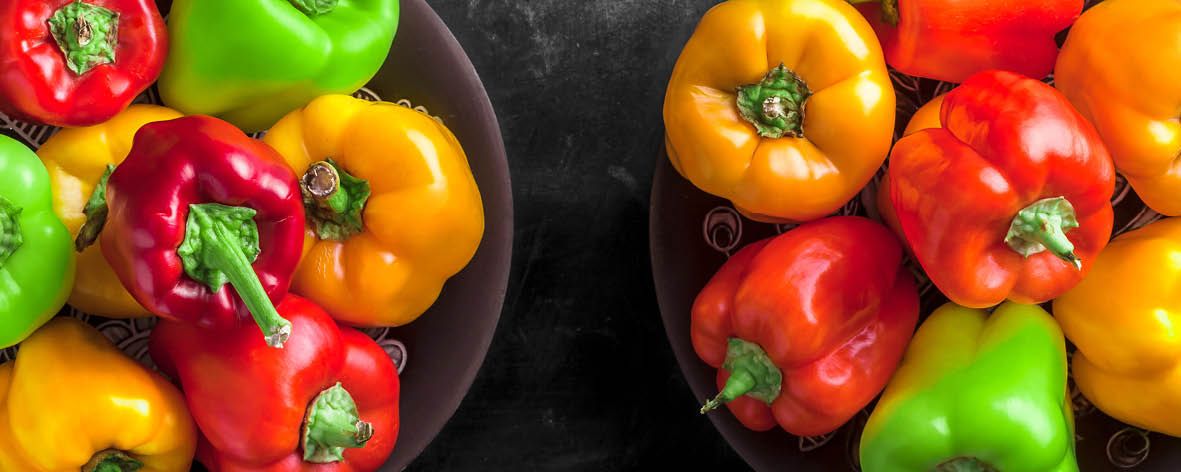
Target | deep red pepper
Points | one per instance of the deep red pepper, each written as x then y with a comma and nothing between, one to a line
195,202
77,62
1009,198
806,328
952,39
259,409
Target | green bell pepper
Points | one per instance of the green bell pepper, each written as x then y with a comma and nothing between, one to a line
976,392
250,62
36,249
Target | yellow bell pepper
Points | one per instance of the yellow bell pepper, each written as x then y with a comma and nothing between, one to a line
71,401
784,107
77,159
1120,67
392,208
1123,318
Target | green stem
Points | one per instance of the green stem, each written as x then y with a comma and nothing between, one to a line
220,244
112,460
331,425
752,373
11,237
1042,226
86,34
775,106
333,200
96,213
889,9
964,464
314,8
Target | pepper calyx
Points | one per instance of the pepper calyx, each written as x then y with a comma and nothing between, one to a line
331,425
96,213
11,237
86,34
752,373
111,460
1042,226
334,200
775,105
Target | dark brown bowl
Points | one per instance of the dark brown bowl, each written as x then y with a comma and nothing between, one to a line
691,235
444,348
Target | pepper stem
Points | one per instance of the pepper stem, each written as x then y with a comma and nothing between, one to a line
331,425
752,373
889,9
775,106
964,464
96,213
333,200
11,237
112,460
1042,226
314,8
86,34
220,244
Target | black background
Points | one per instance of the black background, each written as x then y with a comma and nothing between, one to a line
580,375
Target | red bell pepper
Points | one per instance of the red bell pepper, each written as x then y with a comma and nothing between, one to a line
951,40
806,328
77,62
1010,198
327,402
195,203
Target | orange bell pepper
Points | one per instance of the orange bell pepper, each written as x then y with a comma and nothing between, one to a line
392,208
1120,67
812,118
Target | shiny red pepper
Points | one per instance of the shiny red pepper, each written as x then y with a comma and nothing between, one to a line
196,204
328,402
1008,197
951,40
806,328
77,62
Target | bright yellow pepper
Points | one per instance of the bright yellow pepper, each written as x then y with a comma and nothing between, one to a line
1120,67
71,401
77,159
392,208
790,143
1123,318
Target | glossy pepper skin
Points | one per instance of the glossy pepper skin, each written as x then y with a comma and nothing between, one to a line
77,62
195,205
796,142
407,220
36,264
951,40
251,401
976,392
250,62
77,159
807,327
1009,198
1120,66
927,116
71,401
1122,319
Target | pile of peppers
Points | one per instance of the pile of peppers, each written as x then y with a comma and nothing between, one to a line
998,190
261,257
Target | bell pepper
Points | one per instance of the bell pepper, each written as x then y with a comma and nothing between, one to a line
951,40
327,402
783,107
1120,67
36,260
927,116
1009,198
976,392
79,161
384,229
273,57
72,401
1123,318
197,204
77,62
806,328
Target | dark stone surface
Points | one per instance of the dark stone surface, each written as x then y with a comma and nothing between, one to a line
580,375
